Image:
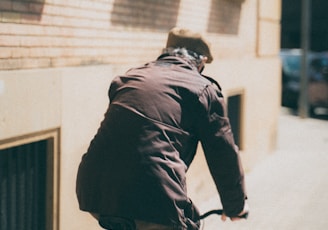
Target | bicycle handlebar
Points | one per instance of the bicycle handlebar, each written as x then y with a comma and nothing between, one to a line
220,212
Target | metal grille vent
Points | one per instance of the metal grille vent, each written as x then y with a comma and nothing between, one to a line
23,187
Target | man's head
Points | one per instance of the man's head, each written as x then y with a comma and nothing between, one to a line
184,38
195,59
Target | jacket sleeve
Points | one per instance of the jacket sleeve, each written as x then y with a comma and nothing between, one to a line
222,155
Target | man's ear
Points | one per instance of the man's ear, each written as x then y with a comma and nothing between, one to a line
201,66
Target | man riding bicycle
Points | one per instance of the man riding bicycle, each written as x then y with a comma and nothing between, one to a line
133,175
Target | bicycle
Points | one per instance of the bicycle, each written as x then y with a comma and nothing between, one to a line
113,223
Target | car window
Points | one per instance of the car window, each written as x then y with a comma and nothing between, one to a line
291,63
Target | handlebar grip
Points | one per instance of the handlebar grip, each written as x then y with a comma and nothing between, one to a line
244,216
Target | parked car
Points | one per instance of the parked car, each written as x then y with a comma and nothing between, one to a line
317,79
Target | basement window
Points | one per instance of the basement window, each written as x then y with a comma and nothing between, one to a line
27,176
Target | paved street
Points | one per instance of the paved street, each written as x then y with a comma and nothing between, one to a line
289,189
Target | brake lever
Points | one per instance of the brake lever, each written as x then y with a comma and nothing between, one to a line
220,212
216,211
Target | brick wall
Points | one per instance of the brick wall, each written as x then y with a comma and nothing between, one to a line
56,33
52,33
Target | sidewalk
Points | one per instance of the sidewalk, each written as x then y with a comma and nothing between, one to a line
288,190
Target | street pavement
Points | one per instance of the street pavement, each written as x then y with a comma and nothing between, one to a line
289,189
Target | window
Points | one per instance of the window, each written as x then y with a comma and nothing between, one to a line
234,104
27,182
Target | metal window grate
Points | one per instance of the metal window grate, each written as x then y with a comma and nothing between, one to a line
23,187
234,113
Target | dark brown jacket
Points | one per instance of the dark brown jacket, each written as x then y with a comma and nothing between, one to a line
136,164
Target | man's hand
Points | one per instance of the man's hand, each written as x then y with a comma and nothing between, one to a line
239,217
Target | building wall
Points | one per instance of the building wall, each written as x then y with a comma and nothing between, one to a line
57,33
57,59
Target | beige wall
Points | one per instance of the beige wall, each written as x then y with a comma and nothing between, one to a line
70,99
35,97
84,103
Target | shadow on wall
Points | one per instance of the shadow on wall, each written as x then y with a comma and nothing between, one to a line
225,16
16,11
152,14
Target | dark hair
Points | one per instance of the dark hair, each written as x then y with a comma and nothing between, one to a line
194,58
